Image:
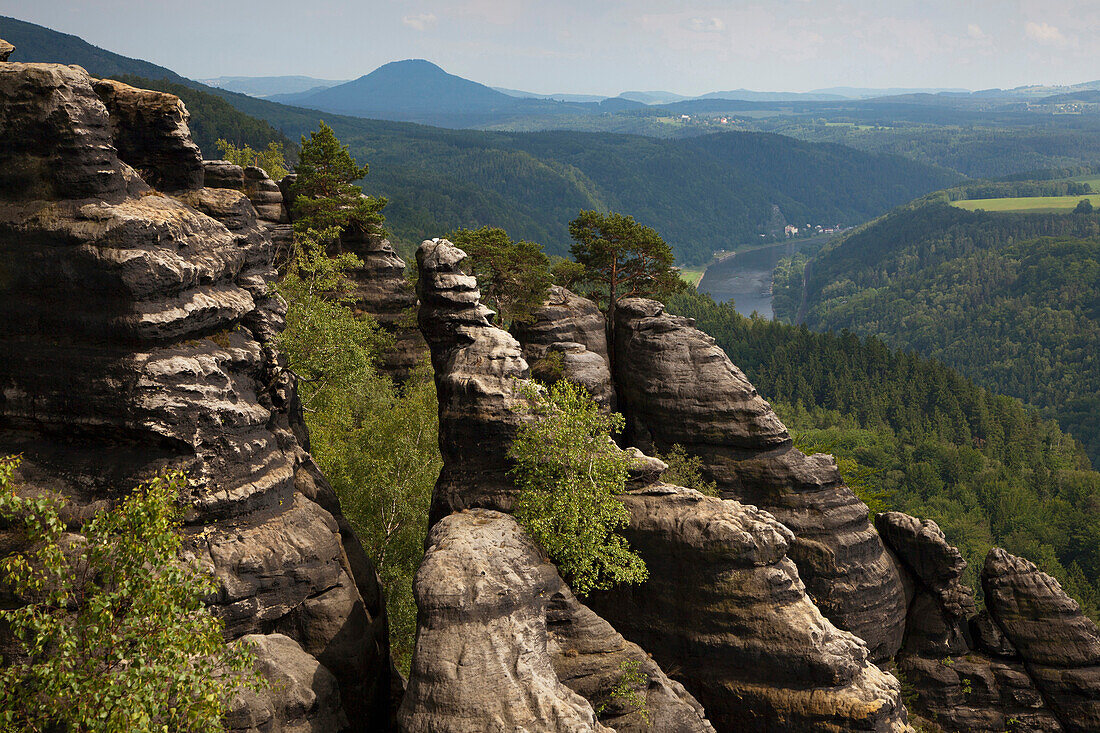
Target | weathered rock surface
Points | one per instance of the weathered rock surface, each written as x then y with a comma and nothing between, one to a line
136,336
676,386
302,696
481,662
724,606
382,290
264,194
566,316
1059,645
571,360
150,132
6,50
502,641
478,373
937,623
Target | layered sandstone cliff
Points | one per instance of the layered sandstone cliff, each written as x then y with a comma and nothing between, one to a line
136,328
724,605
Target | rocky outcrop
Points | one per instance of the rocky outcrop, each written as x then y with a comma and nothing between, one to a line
955,680
942,604
264,194
136,331
382,290
676,386
302,696
149,130
478,373
724,606
502,640
1059,645
6,50
565,316
566,338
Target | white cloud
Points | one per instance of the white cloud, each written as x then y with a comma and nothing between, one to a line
1045,33
420,21
706,25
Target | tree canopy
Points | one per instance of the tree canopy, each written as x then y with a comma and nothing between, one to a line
513,276
324,193
621,258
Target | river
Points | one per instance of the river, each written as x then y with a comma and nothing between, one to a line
747,276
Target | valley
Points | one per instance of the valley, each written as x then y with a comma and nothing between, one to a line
441,407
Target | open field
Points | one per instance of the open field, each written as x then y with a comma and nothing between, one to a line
1031,205
1091,179
691,277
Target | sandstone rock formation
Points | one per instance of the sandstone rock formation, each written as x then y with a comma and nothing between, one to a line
149,130
954,679
136,337
478,369
502,640
264,194
725,607
1059,645
303,696
6,50
676,386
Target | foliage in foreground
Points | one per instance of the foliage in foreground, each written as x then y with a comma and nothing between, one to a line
569,471
114,634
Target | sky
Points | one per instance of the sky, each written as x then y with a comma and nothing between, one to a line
606,46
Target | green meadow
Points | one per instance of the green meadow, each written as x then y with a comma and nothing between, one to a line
1029,205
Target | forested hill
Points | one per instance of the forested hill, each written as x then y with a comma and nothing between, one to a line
1011,300
702,194
916,436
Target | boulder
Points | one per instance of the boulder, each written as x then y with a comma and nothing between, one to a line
676,386
300,695
565,316
1059,645
571,360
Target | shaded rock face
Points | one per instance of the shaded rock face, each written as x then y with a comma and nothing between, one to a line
942,604
150,132
956,679
502,641
478,378
676,386
136,332
6,50
571,360
382,291
1059,645
724,606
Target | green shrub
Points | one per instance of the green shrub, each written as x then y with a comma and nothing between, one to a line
113,634
569,470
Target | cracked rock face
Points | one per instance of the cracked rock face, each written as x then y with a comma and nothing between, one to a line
136,330
1059,645
503,645
725,608
676,386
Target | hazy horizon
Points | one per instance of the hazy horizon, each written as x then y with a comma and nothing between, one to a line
607,47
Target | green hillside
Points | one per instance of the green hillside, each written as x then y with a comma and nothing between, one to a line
916,436
1011,300
702,194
